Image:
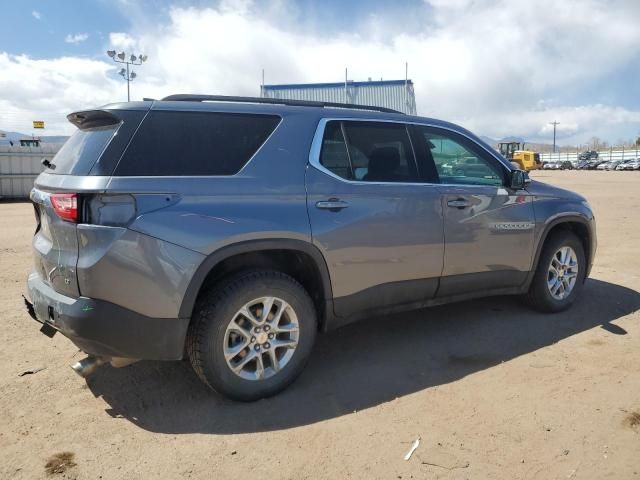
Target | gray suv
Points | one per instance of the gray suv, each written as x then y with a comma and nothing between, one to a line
231,230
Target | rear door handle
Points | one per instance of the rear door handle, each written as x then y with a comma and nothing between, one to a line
332,204
459,203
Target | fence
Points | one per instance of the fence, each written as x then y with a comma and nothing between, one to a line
625,154
19,167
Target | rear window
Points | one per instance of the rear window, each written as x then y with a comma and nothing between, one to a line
195,143
80,152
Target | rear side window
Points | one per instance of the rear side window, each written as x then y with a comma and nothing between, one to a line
195,143
369,152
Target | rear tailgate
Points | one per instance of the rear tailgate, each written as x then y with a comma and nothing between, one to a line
81,168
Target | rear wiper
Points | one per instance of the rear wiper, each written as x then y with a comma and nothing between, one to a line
48,164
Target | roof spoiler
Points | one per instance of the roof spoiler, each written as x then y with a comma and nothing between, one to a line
92,119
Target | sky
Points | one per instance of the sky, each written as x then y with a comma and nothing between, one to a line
498,67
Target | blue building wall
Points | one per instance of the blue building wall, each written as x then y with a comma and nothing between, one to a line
395,94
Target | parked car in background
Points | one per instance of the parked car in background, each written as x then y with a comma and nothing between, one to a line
566,165
581,164
633,164
471,167
593,164
611,165
589,155
561,165
277,220
621,165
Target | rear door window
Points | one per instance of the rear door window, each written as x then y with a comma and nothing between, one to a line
380,152
368,151
172,143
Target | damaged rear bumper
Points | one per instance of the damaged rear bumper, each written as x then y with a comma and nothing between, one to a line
104,329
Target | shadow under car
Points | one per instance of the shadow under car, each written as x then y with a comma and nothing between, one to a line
361,365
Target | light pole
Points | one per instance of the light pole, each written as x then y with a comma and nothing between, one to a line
126,73
554,123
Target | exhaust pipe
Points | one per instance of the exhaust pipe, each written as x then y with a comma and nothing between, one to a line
88,365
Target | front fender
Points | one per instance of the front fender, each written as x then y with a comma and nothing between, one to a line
582,216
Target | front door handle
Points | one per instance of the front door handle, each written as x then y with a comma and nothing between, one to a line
332,204
459,203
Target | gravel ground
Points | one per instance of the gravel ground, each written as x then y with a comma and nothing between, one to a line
492,389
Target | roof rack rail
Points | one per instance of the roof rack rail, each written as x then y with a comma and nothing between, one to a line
274,101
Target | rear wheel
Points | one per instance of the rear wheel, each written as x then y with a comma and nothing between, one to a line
559,275
251,337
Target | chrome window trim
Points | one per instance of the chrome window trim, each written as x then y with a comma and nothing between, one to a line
316,147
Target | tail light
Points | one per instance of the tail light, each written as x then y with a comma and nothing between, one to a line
66,206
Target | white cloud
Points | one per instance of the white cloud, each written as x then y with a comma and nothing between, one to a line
120,40
577,124
50,89
36,14
77,38
497,68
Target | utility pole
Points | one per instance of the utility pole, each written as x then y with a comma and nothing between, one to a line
346,91
406,87
554,123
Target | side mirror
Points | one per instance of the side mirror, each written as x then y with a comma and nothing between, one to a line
519,179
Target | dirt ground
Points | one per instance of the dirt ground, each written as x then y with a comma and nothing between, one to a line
492,389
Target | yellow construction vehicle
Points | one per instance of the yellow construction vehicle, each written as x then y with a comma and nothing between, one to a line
524,159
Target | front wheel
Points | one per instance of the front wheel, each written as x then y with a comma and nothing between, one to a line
251,337
559,275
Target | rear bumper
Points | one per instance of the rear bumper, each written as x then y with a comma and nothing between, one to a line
103,329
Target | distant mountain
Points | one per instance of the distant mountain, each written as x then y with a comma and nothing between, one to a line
489,140
16,136
512,139
54,138
533,146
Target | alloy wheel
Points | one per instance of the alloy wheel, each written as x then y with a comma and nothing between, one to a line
562,273
261,338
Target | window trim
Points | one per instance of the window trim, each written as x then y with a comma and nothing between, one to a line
347,149
316,147
255,154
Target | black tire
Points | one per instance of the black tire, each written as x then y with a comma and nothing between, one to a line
214,311
539,297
